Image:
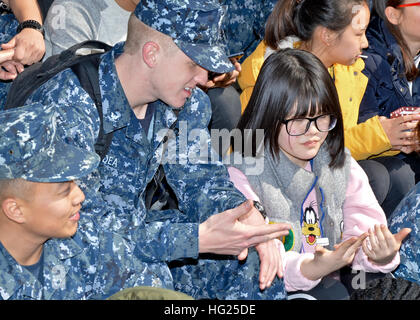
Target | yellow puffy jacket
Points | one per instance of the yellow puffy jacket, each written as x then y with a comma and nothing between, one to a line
364,140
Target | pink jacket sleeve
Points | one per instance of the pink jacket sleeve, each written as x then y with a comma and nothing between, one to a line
361,212
293,278
241,183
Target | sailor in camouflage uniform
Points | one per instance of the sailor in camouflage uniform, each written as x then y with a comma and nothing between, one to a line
201,183
89,263
407,215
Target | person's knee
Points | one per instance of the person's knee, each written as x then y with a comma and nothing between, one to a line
401,182
402,178
379,178
226,108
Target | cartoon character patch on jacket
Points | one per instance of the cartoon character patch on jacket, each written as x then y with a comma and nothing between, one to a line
310,227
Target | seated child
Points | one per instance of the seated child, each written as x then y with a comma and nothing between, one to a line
306,176
48,248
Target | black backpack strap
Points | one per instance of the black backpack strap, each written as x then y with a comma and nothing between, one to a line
87,73
23,86
85,67
39,73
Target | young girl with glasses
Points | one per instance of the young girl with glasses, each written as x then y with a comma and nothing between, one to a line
334,31
308,178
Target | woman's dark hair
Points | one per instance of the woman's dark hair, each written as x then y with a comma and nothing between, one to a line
379,6
301,17
291,82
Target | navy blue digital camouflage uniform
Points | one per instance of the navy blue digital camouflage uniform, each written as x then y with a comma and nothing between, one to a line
244,24
407,215
8,25
201,184
94,263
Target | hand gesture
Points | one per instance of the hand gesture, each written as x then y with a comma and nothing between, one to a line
225,79
223,233
400,132
271,263
9,70
326,261
382,246
270,258
28,46
6,55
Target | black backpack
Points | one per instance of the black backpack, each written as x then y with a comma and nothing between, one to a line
158,194
84,66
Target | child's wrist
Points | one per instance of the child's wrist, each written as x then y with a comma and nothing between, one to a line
384,261
312,270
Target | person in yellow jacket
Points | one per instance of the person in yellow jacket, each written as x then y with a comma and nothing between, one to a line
338,43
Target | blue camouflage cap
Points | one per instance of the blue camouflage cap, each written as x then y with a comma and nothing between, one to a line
31,149
194,26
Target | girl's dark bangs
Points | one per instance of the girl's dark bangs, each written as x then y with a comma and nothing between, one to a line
316,100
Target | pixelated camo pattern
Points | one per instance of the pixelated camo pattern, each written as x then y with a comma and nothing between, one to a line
8,25
407,215
202,189
194,25
244,24
91,265
224,278
31,149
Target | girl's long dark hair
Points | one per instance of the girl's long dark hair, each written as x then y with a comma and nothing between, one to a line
379,6
291,82
301,17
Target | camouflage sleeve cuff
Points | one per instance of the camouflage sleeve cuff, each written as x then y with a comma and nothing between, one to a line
166,241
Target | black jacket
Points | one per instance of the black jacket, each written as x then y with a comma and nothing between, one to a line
387,89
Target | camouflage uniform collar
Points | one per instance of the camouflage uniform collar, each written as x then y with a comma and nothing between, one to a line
16,278
63,248
163,117
116,108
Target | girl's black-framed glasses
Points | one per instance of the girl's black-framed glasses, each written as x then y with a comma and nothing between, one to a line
299,126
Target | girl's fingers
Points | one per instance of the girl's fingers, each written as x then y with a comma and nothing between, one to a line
380,237
389,239
366,249
353,247
372,240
